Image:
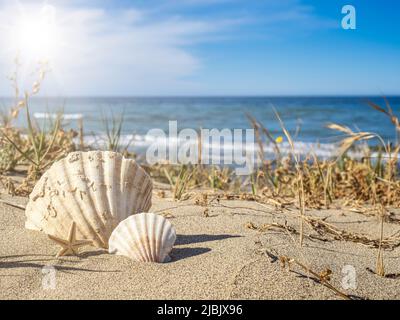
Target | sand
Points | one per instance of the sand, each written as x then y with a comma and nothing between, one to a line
215,257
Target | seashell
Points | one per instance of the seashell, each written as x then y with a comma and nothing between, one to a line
145,237
95,189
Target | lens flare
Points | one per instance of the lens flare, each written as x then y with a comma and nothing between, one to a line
37,33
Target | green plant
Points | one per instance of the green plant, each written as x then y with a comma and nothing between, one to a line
113,133
39,145
179,183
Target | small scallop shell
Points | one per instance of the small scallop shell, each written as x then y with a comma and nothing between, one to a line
95,189
144,237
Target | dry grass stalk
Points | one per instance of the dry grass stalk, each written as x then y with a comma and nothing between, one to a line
325,180
323,277
277,226
81,135
8,185
289,230
300,183
323,228
388,112
259,128
20,102
351,138
8,203
167,215
380,266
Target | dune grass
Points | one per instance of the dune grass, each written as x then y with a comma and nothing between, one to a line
315,183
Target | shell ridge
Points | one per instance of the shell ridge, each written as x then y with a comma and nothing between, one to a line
119,237
126,192
142,182
152,230
158,241
65,229
147,199
146,237
103,191
90,207
108,168
68,170
133,202
137,241
117,161
153,238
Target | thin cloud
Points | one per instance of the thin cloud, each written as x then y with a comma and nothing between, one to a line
135,50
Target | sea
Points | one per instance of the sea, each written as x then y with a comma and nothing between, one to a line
305,118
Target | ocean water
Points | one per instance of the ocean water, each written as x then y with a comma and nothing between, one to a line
305,117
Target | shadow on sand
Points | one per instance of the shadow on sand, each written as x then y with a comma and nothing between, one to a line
182,253
29,261
197,238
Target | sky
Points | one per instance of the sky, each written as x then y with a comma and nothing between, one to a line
202,47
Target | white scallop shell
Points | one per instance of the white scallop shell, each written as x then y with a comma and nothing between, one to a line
145,237
95,189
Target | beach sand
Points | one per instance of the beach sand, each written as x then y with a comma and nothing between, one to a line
215,257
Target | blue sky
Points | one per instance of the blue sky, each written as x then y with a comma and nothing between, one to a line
212,47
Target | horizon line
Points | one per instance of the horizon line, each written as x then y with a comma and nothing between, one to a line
396,95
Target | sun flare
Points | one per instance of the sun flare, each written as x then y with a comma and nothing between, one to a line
36,33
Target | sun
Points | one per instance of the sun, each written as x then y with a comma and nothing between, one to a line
37,33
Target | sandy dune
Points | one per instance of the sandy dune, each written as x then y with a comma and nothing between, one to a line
215,257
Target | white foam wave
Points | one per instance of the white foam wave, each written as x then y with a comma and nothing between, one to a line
140,143
65,116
